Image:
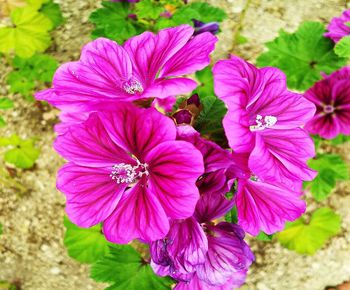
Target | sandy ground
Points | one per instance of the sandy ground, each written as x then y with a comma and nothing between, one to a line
31,247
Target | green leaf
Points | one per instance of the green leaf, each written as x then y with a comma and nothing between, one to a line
232,215
1,231
29,33
2,122
149,9
124,267
52,11
308,238
342,48
331,168
19,83
5,103
340,139
113,22
206,82
22,153
36,3
201,11
302,55
86,245
264,237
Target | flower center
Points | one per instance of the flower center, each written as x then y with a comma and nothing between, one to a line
328,109
126,173
132,87
263,122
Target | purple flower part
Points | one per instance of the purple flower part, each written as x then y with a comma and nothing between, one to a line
184,247
132,16
227,254
200,27
266,207
127,170
257,99
69,119
236,281
338,27
183,117
332,99
194,99
214,156
165,105
211,206
165,14
146,66
259,107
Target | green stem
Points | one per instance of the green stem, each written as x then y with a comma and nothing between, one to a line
239,26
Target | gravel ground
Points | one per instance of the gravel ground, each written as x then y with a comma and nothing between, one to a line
31,247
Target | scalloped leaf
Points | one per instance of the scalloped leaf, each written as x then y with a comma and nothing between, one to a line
308,238
302,55
29,33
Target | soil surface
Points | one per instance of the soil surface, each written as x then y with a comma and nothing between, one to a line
31,247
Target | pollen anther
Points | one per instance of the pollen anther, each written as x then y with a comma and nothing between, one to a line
126,173
263,123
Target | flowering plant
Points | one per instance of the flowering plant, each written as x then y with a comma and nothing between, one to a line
141,169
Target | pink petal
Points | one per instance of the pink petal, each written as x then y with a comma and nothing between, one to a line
139,215
149,52
97,77
69,119
174,167
91,194
138,130
170,87
88,144
326,126
282,154
266,207
192,57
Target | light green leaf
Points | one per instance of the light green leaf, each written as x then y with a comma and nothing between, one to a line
21,153
112,21
124,267
149,9
0,229
28,35
5,103
86,245
19,83
308,238
302,55
52,11
36,4
342,48
331,168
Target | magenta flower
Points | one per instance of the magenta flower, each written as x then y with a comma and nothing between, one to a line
339,27
127,170
263,119
146,66
197,249
332,99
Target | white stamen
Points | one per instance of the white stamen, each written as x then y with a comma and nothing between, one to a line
132,87
263,123
125,173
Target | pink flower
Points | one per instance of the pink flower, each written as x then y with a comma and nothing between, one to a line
339,27
146,66
263,120
332,99
127,170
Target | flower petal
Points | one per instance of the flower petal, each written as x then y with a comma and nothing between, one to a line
193,56
282,154
88,144
174,167
139,215
91,194
266,207
149,52
138,130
